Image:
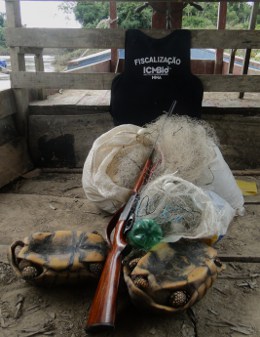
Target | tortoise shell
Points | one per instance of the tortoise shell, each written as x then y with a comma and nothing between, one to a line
58,257
172,276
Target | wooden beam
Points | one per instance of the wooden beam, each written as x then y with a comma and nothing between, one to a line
247,172
239,258
102,81
176,12
167,15
13,15
222,15
7,103
158,19
93,81
113,25
14,160
39,66
252,24
106,38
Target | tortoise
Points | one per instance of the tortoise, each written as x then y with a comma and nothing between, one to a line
58,257
171,277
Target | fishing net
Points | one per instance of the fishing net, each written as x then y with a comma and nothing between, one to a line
183,145
182,209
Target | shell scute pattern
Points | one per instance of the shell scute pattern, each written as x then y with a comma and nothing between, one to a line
60,256
177,274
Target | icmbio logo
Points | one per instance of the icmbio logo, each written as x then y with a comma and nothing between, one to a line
156,72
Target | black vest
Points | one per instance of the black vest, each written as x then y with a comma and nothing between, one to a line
157,71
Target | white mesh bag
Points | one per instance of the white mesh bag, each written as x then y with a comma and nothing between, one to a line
182,209
112,166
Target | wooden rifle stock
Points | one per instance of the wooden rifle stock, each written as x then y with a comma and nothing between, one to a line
103,309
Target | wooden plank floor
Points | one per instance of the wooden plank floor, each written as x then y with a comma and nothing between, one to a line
51,201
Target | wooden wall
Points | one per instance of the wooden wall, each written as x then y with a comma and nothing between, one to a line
74,127
14,159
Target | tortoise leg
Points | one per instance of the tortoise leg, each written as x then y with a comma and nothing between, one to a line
22,268
12,256
28,271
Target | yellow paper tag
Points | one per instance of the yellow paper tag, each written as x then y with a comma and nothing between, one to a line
247,187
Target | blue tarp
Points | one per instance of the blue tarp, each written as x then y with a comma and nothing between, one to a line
3,64
201,54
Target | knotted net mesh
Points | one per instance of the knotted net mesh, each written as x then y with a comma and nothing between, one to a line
183,145
179,207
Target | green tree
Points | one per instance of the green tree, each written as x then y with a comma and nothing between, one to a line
238,15
91,14
193,22
206,18
130,17
2,31
2,20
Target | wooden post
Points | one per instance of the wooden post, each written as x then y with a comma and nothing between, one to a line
222,15
232,61
113,24
39,66
252,24
158,20
176,12
13,15
167,15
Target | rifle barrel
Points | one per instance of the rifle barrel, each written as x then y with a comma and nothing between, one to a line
103,309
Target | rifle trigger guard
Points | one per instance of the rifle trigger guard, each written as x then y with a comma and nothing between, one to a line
112,224
130,223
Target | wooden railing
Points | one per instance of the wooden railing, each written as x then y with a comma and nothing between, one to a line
238,134
33,40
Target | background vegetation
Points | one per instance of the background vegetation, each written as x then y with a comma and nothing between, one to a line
3,48
135,15
130,15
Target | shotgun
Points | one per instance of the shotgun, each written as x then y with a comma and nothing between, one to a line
102,312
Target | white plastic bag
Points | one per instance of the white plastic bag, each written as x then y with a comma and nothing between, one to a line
217,177
225,211
112,166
